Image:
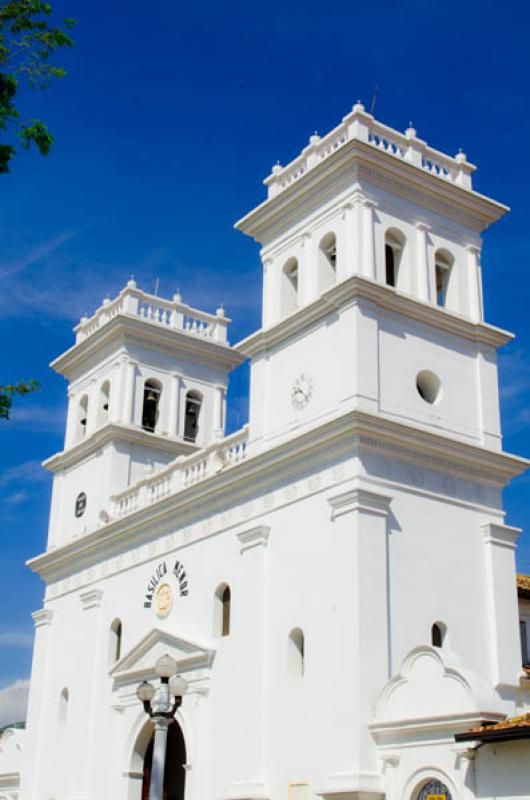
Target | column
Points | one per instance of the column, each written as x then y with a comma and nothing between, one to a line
360,529
368,239
249,725
114,398
474,284
501,603
271,292
308,288
218,426
71,421
173,408
92,411
96,675
422,262
128,379
33,781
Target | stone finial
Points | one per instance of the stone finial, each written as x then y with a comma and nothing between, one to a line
84,319
358,107
177,297
314,139
106,300
277,168
131,283
460,156
220,312
411,131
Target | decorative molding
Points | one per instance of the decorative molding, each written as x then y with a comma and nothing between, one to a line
125,326
500,535
361,500
91,598
359,287
42,617
338,438
254,537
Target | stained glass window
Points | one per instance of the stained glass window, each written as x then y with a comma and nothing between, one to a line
434,790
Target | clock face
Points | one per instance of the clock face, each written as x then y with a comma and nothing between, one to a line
301,391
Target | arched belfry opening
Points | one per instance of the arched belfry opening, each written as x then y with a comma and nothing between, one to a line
174,774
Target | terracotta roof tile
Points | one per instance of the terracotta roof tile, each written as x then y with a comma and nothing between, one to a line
512,728
523,586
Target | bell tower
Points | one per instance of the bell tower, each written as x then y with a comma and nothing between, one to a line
372,296
147,384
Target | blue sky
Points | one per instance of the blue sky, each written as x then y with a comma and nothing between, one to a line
169,119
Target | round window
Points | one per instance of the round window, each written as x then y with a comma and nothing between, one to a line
433,790
429,386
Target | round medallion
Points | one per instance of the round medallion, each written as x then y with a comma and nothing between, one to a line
80,504
163,600
301,391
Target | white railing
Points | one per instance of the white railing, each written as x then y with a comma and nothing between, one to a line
173,314
358,125
181,473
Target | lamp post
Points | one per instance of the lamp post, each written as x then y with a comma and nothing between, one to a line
161,705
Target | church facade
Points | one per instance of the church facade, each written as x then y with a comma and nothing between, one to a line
336,579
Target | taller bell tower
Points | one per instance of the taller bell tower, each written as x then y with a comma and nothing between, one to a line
372,295
147,384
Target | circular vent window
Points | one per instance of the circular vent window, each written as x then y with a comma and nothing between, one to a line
429,386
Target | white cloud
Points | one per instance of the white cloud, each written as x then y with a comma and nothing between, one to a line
35,417
14,702
16,639
23,473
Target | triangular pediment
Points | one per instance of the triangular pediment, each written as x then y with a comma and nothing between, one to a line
139,662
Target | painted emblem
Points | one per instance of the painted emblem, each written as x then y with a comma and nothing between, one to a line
163,600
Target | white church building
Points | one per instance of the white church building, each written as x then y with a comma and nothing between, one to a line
336,579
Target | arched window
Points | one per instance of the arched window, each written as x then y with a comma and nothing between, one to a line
432,788
327,262
150,409
222,610
115,642
394,247
82,418
438,634
192,412
289,287
103,409
443,264
296,653
64,698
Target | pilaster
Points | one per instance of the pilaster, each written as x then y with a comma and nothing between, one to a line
369,239
501,597
422,264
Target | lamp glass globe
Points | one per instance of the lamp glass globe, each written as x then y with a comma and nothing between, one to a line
178,686
145,692
166,666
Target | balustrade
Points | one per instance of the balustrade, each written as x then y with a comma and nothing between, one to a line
167,313
358,125
182,473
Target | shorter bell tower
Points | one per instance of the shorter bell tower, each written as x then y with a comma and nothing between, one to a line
147,383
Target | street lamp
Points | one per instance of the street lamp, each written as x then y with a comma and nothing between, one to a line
161,705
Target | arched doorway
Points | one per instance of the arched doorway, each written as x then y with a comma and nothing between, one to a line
174,774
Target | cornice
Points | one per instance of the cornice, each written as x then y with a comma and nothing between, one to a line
42,617
148,333
383,296
360,500
91,598
359,159
254,537
500,535
343,434
111,432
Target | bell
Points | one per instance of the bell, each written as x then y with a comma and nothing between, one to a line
151,396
